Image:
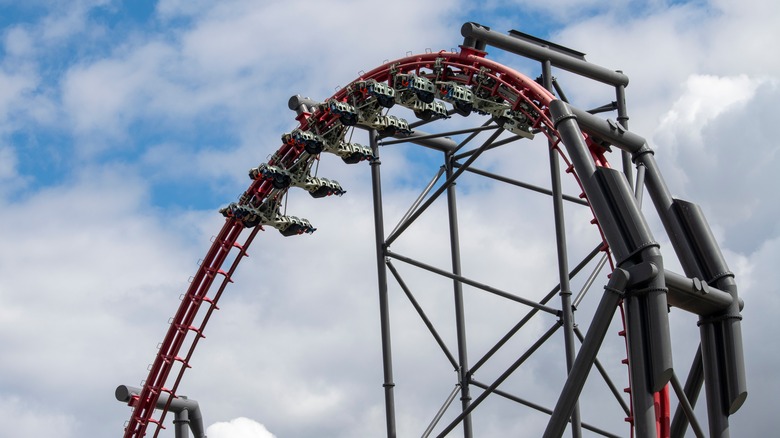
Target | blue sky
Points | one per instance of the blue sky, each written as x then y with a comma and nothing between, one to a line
126,125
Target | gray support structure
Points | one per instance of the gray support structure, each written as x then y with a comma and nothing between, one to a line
460,317
623,225
567,312
504,99
725,325
181,423
384,307
529,47
722,351
639,280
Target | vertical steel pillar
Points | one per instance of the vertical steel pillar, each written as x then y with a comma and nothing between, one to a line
567,314
181,422
384,307
460,319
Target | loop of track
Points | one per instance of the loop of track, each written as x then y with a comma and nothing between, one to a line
462,67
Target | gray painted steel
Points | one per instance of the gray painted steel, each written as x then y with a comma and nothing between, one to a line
567,312
384,307
645,287
460,312
720,326
187,411
482,35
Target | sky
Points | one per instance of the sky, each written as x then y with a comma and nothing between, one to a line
126,125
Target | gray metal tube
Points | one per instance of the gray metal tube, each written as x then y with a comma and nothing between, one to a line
693,266
695,296
384,306
181,423
431,141
615,134
572,138
124,393
567,312
460,317
301,104
729,323
483,35
441,412
642,400
629,238
714,382
700,257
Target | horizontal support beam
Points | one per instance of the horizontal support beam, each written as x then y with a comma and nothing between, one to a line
430,141
542,52
694,295
419,137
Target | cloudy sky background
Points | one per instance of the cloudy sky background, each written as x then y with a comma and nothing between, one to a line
125,126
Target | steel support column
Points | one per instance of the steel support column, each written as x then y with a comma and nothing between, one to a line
460,318
567,313
384,307
181,424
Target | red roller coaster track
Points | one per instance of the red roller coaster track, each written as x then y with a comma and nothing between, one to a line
469,68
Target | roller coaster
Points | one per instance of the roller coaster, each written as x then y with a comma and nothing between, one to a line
446,92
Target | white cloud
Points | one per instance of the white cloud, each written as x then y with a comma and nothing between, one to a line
20,418
12,88
18,41
92,269
65,22
171,9
238,428
83,265
705,98
107,95
235,59
8,163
